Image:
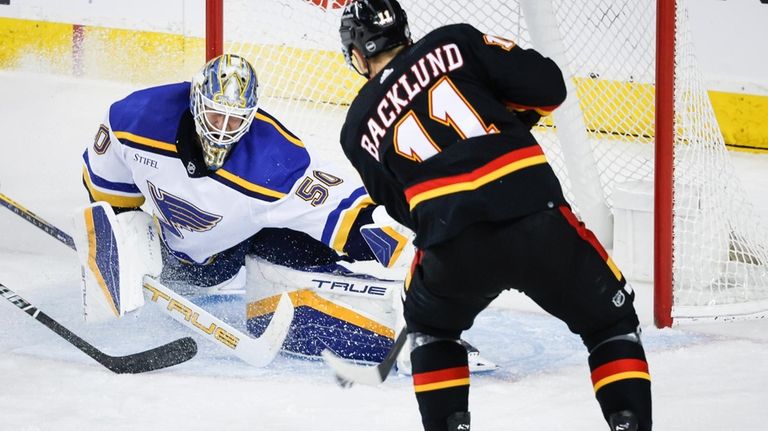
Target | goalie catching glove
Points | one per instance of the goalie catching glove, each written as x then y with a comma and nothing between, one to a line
115,252
390,241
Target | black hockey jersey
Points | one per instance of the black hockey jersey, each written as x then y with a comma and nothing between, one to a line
441,136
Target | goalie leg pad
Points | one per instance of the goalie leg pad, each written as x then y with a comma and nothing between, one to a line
350,314
115,252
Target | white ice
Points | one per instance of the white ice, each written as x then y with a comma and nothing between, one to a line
705,377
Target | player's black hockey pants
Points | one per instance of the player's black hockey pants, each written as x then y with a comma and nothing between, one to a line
552,258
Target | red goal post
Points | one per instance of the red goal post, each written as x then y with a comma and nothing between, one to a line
664,163
214,28
636,146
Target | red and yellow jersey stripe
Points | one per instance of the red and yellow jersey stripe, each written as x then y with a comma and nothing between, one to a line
506,164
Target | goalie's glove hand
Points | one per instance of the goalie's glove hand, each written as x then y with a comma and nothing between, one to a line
390,241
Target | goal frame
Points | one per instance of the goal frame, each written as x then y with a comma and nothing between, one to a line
663,211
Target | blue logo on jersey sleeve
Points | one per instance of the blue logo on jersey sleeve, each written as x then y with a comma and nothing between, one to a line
177,214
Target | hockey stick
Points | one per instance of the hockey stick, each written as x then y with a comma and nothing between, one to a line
37,221
255,351
258,352
349,373
163,356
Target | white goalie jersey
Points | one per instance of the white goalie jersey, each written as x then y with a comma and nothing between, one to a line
138,159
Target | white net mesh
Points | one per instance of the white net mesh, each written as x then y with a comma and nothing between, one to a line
721,254
720,245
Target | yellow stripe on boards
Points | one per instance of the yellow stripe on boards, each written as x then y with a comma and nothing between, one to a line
610,107
617,107
48,43
742,119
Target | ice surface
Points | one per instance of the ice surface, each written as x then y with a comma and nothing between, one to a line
705,376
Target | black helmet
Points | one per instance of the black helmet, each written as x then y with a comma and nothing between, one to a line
372,26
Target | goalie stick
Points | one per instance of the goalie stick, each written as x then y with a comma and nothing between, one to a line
255,351
163,356
258,352
349,373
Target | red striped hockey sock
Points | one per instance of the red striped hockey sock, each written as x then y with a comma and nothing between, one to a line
441,382
621,380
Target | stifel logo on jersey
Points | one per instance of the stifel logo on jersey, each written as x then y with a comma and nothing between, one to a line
434,64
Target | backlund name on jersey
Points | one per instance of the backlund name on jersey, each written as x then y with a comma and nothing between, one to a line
429,67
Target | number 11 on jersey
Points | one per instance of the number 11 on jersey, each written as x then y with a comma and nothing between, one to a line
447,106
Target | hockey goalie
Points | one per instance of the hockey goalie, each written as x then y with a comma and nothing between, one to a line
194,184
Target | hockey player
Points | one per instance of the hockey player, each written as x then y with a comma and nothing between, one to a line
193,180
440,135
223,178
190,178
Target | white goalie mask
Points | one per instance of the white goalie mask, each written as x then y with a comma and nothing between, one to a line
223,100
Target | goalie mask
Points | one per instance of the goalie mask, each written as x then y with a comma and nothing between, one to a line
223,101
371,27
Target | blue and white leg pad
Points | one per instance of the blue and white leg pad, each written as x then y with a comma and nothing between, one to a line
115,253
351,314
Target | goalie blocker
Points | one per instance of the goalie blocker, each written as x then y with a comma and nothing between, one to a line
115,252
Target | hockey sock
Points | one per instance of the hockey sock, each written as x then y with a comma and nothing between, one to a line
621,380
441,382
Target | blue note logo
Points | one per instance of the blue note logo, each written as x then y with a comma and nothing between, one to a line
176,214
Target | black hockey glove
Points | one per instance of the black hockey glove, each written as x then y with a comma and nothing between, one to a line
528,117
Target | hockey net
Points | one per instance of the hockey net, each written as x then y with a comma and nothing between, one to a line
601,141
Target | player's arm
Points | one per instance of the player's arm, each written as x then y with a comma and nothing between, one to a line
530,84
326,203
367,232
331,205
116,209
105,175
387,233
